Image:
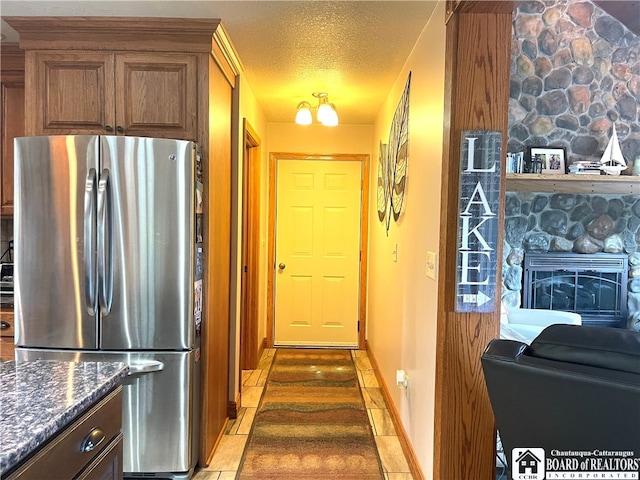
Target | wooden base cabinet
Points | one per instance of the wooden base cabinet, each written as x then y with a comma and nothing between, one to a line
7,346
63,455
85,92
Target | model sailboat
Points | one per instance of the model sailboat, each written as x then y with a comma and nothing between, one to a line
612,161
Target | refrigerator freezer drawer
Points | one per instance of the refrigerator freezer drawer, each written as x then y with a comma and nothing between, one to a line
160,416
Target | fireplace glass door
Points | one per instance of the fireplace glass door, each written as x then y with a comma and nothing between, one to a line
595,286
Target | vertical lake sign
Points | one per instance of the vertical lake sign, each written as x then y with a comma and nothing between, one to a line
478,202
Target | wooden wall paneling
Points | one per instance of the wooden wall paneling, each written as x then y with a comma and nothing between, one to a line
476,97
215,334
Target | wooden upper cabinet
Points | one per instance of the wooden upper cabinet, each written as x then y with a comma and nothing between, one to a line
155,95
12,127
115,94
74,93
12,118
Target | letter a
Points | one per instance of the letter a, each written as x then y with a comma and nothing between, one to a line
483,201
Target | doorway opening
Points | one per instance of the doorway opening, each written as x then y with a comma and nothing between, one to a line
250,346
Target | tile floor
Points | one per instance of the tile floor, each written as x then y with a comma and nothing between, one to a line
227,457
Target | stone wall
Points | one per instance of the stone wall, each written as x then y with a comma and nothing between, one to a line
545,222
575,71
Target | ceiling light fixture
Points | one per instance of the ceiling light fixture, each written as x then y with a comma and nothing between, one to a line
326,112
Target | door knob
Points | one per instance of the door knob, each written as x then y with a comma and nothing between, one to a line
282,266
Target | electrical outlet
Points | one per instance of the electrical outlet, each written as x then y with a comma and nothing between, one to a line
432,265
402,379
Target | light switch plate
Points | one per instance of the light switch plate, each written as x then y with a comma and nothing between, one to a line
432,265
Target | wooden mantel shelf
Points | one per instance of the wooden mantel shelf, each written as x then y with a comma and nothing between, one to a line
603,184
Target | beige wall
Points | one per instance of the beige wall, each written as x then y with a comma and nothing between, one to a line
317,139
402,302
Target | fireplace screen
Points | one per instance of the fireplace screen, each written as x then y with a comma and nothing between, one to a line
595,286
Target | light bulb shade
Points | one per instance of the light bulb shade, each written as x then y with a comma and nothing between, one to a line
324,112
330,116
303,116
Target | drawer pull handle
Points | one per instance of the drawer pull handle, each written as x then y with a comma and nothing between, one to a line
4,325
92,440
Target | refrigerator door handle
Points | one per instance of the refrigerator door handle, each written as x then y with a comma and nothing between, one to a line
146,367
90,281
105,277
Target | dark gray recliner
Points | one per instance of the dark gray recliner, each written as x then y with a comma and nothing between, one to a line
575,388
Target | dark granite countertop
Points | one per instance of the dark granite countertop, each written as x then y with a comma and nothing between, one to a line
40,398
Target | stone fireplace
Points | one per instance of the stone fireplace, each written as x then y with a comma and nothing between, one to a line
604,226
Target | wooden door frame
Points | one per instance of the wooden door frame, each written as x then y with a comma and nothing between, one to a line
250,348
364,236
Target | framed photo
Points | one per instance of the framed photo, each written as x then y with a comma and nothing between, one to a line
546,160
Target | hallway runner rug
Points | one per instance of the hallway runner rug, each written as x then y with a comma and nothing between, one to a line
311,422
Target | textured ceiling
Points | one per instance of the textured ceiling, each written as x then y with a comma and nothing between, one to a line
289,49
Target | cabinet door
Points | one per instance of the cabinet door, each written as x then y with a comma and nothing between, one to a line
7,346
108,466
12,126
156,95
74,93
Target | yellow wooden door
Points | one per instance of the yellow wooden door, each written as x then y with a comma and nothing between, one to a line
317,267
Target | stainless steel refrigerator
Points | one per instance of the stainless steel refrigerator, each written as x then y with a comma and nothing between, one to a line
108,266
